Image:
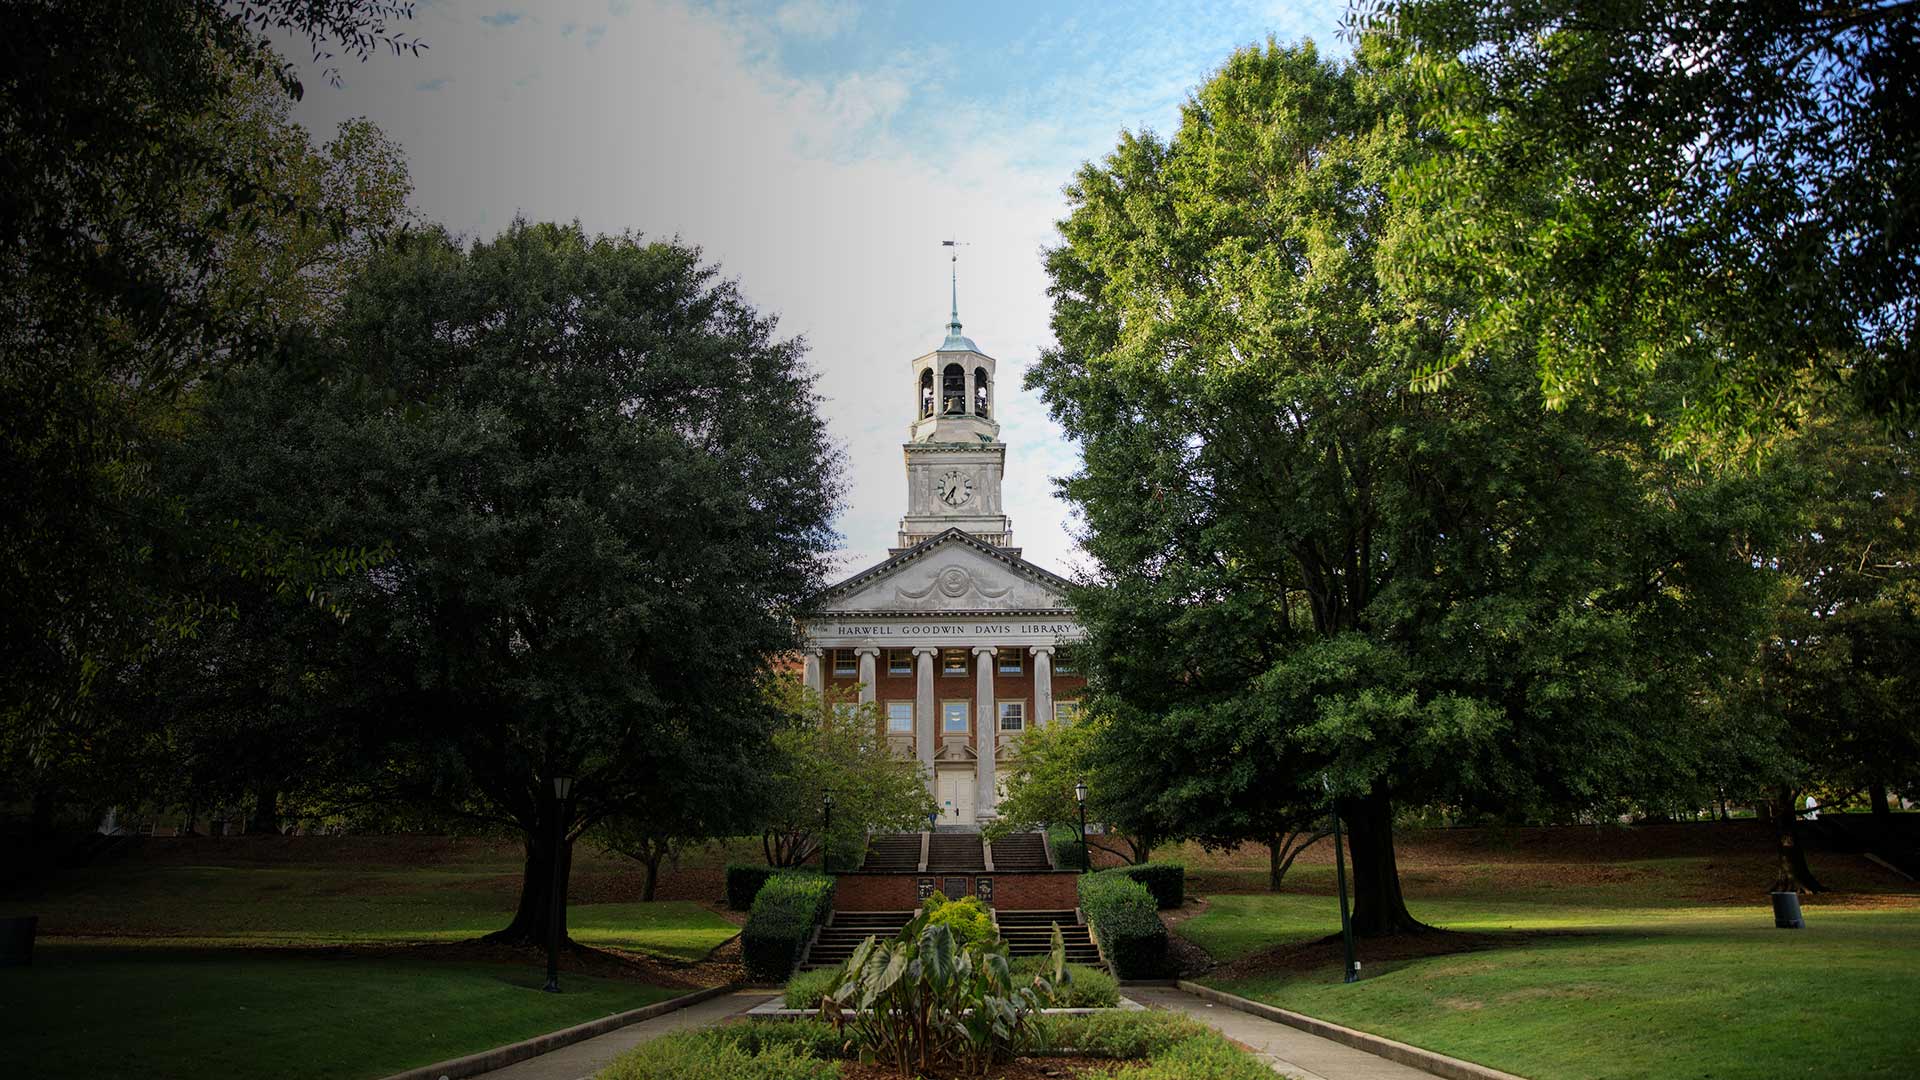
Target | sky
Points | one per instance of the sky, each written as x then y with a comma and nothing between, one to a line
817,152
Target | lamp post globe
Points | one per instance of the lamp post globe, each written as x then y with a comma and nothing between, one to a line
562,791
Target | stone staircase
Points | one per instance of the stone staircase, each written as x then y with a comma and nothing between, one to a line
1021,853
894,853
1030,933
844,932
956,853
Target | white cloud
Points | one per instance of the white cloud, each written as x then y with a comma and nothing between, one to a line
671,121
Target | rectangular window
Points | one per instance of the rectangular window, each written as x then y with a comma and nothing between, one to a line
1012,662
1013,715
1066,712
900,717
1064,663
953,661
953,717
899,662
845,662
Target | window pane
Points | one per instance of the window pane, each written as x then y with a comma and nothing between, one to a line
1013,715
899,662
1012,662
1066,712
953,661
900,716
954,717
845,663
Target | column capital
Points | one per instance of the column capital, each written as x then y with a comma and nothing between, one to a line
1041,650
867,650
926,650
985,650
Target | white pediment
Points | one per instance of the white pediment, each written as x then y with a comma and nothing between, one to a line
949,575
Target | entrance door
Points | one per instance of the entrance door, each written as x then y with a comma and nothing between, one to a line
955,792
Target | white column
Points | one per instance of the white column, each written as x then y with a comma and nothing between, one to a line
869,683
816,679
1042,686
925,716
986,730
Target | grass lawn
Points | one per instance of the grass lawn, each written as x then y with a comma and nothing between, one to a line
157,1013
159,965
335,905
1605,979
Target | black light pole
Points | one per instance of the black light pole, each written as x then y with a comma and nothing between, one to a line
1340,873
562,787
826,831
1080,796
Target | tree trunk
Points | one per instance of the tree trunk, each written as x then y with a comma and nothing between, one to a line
1273,864
1793,874
266,809
652,864
530,920
1378,907
1882,817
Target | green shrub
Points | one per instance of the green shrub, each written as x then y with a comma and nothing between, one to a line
709,1055
967,917
808,1038
1126,920
1205,1056
780,922
1119,1034
743,883
1166,881
924,1001
1085,988
806,988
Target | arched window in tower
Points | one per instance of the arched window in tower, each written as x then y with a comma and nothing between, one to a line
980,399
926,393
953,390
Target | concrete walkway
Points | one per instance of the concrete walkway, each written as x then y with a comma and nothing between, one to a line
1288,1050
583,1059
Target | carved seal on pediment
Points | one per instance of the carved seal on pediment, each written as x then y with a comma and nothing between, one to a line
952,582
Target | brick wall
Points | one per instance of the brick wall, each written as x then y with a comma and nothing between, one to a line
899,892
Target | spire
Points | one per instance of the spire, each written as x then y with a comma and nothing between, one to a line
956,342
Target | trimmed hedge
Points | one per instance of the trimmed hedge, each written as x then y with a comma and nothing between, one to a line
780,922
1126,920
744,881
1166,881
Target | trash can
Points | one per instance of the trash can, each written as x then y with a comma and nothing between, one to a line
1786,911
16,940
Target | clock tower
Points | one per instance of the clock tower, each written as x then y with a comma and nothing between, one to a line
955,458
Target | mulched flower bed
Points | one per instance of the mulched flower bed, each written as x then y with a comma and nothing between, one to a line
1026,1068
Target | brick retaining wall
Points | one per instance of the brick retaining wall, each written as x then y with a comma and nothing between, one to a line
1049,891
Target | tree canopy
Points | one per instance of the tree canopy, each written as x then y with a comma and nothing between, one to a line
606,490
1403,596
1705,208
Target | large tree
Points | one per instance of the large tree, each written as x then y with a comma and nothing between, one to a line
1399,596
1832,701
1718,194
160,218
606,487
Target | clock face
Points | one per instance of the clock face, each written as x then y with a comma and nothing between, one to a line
954,488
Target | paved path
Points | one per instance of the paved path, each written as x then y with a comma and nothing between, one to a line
583,1059
1288,1050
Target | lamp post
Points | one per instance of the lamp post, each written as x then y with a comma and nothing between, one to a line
826,831
1080,796
1340,874
562,788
